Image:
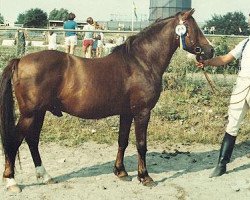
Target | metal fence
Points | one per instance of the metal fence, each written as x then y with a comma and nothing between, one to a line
37,37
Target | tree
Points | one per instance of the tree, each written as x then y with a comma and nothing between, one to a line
61,14
232,23
1,19
35,18
20,19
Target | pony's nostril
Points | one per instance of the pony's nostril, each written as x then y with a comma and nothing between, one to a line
197,50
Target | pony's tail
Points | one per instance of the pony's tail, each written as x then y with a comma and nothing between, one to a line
7,117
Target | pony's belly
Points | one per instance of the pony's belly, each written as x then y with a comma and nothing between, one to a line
95,112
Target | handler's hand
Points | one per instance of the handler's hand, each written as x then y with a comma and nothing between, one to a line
201,64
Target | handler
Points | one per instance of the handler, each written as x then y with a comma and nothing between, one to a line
240,99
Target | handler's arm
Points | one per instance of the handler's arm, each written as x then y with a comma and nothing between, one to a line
217,61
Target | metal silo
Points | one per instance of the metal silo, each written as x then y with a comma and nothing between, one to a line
167,8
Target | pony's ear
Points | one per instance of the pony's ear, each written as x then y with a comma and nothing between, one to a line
187,14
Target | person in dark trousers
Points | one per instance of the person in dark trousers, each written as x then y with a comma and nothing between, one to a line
20,43
239,102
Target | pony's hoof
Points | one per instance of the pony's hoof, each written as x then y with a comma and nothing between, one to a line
148,181
120,172
125,178
50,181
11,185
45,179
14,189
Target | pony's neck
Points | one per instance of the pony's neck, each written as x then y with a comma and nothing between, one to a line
156,49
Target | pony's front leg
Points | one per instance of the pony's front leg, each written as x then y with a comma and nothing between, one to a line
119,169
141,125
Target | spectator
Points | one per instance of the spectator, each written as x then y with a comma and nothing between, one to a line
249,20
70,36
120,40
99,39
52,44
95,41
88,39
20,43
109,46
212,30
205,30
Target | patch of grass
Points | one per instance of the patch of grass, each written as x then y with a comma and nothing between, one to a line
180,116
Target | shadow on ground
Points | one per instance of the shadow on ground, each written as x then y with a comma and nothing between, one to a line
179,162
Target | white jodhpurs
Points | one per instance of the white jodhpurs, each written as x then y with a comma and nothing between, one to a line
239,105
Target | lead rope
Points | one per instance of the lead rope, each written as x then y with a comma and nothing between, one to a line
210,82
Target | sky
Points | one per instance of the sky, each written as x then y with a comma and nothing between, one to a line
111,9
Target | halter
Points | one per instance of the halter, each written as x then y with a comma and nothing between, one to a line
181,31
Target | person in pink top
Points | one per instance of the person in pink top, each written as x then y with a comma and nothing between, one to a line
88,39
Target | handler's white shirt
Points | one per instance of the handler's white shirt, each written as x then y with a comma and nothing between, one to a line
245,62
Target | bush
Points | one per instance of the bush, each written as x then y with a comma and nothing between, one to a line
222,48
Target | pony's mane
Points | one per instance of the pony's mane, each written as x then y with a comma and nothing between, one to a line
147,32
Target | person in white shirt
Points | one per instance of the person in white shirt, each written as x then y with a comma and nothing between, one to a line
52,44
239,102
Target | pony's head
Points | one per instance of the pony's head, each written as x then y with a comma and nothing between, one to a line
191,37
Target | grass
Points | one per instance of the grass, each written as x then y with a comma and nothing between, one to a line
187,111
179,117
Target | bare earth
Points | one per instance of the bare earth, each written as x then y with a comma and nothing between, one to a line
180,171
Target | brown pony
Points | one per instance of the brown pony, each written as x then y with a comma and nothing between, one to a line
127,83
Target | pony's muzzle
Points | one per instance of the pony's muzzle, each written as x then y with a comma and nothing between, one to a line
204,53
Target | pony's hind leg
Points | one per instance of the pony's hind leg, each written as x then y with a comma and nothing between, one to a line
14,142
10,157
28,127
125,124
32,139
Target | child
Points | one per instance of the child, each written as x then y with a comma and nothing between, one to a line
52,40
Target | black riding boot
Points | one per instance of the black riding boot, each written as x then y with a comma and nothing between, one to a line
225,155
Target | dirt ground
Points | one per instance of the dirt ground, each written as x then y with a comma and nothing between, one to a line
180,171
